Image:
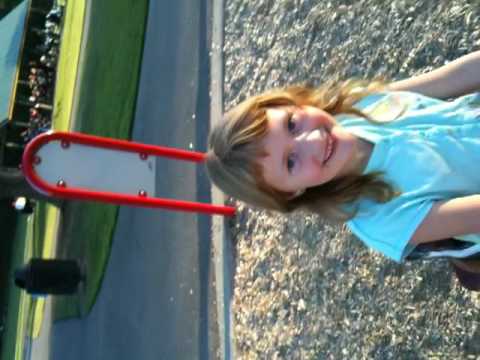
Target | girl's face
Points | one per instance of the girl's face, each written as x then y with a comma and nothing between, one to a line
305,147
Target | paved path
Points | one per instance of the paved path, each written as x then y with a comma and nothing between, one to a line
156,301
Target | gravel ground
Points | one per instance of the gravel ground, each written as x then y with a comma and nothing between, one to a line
306,289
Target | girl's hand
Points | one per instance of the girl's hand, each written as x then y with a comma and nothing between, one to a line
459,77
449,218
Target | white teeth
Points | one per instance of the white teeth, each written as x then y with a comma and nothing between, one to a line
329,149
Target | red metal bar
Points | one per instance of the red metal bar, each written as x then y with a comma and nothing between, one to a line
28,164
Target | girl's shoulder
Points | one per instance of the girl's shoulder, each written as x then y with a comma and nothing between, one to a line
384,107
394,101
393,104
404,110
413,99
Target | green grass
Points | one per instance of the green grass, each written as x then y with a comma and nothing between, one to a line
22,317
108,87
107,91
68,64
47,216
20,305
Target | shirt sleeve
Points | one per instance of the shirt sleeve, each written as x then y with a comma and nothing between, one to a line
388,227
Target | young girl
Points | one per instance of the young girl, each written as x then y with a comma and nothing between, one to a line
395,162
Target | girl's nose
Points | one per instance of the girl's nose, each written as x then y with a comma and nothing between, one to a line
312,142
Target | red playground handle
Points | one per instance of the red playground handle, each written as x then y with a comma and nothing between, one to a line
30,160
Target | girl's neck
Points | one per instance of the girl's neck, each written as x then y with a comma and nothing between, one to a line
364,152
361,156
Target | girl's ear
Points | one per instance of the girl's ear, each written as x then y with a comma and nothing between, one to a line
296,194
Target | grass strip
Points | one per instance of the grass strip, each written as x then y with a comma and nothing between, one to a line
68,64
35,238
47,216
44,233
20,304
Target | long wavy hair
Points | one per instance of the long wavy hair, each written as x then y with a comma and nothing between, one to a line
235,148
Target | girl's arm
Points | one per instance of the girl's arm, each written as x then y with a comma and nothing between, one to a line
459,77
459,216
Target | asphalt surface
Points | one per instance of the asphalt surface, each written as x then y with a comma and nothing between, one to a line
156,301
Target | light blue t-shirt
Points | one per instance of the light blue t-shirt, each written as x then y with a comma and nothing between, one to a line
428,149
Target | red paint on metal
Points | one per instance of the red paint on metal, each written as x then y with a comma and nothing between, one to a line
33,146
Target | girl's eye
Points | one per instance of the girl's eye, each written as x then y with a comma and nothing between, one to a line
291,161
291,125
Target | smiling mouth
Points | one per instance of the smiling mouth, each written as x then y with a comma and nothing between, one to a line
329,147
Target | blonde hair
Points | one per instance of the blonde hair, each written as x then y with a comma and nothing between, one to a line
235,147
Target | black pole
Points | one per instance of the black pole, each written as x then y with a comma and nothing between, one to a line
49,276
